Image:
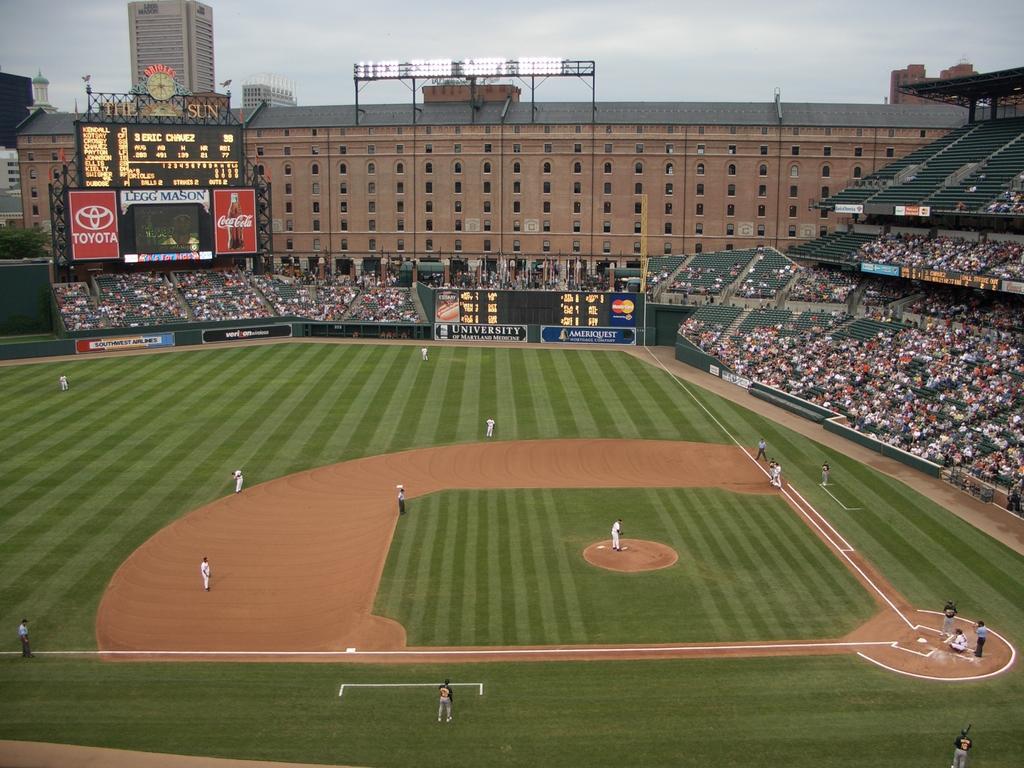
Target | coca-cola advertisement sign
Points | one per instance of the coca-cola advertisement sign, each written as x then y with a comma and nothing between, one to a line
234,221
92,219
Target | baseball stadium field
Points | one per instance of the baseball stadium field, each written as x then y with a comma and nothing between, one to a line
741,626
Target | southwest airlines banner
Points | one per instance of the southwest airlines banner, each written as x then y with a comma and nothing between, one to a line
119,343
579,335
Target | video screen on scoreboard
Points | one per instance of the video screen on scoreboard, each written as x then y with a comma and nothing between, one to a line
166,233
166,228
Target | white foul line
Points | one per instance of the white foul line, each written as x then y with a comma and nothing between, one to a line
843,552
639,649
848,509
341,691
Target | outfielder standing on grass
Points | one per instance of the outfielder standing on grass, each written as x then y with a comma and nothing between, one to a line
961,746
445,704
825,469
237,474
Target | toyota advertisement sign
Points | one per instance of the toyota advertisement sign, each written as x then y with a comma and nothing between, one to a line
234,215
92,219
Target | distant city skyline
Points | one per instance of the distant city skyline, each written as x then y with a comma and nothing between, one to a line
658,51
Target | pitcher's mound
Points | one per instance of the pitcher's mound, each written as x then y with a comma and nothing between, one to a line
636,555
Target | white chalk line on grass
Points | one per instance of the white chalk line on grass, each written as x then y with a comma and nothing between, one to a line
341,691
844,552
899,647
848,509
642,649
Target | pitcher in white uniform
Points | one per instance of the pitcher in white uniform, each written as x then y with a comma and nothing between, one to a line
616,532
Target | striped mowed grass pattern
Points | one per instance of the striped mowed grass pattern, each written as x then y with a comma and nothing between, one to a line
89,474
505,567
138,441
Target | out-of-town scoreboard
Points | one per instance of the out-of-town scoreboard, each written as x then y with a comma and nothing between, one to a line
569,309
154,156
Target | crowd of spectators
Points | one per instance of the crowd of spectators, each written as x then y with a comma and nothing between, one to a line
287,297
701,279
221,296
951,254
764,284
985,314
1008,202
76,307
953,396
880,291
139,299
386,305
823,286
335,297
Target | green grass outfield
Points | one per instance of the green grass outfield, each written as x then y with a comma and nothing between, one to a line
505,568
88,475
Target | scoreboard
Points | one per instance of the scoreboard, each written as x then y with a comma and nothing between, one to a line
591,309
144,156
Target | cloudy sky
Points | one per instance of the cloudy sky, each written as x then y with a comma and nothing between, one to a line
645,50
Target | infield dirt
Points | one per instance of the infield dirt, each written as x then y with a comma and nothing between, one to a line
297,562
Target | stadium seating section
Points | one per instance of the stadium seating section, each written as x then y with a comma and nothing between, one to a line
711,273
140,299
968,169
221,296
77,310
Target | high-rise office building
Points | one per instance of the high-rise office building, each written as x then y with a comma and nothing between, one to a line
178,33
275,90
15,101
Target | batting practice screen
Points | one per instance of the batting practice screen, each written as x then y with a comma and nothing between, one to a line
591,309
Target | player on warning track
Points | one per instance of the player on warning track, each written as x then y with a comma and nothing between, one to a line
445,704
616,532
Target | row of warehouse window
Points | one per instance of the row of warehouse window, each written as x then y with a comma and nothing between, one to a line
546,188
428,129
638,169
638,148
606,246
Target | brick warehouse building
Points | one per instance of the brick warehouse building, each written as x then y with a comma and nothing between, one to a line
470,183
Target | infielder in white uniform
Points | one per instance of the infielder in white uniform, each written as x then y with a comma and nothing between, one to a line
237,474
490,427
204,569
776,474
425,354
616,531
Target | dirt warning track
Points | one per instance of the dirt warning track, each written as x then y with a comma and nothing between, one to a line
297,561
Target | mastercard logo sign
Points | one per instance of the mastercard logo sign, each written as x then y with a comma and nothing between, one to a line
623,307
